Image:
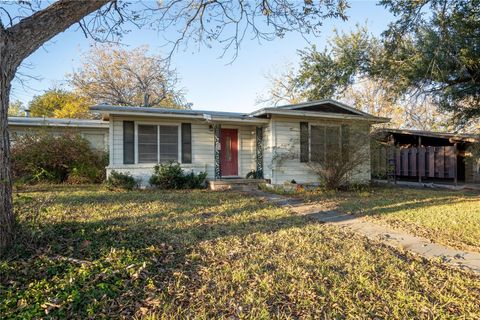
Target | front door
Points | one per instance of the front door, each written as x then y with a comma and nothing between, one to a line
228,152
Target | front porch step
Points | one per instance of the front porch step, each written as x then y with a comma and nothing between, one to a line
235,184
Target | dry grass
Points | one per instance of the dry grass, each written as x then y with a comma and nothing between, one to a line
448,217
199,254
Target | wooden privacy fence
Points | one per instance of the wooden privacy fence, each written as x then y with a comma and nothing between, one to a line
421,162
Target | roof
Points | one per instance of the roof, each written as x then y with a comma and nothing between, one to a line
106,110
55,122
468,137
317,109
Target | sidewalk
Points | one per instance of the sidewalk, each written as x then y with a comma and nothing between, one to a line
389,236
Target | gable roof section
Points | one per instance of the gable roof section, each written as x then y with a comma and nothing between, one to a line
329,109
326,108
325,105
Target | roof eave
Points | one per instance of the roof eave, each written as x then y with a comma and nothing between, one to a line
316,114
211,118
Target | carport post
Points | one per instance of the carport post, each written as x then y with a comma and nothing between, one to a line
418,160
455,152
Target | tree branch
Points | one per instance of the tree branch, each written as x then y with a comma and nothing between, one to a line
32,32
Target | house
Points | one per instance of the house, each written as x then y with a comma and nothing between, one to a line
426,156
276,143
95,131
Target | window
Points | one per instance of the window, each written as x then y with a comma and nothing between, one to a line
317,142
229,148
157,143
147,144
168,143
325,141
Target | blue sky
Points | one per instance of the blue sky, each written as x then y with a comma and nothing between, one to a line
210,83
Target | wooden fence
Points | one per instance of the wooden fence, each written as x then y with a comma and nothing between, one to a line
420,162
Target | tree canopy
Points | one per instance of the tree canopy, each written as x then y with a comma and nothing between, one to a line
427,62
433,49
110,74
15,108
60,103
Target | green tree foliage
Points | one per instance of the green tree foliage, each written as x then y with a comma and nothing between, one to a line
15,108
328,73
430,53
59,103
433,49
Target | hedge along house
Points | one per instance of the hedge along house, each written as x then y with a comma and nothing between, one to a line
94,131
276,143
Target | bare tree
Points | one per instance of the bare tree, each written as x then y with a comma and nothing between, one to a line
27,25
339,154
283,88
110,74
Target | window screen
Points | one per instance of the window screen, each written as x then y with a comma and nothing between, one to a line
317,143
147,144
168,143
332,138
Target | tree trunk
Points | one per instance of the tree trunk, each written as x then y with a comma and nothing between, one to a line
17,43
6,206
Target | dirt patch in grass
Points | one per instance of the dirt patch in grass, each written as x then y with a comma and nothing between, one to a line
207,254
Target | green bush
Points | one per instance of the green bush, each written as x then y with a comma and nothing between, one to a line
43,157
118,180
171,176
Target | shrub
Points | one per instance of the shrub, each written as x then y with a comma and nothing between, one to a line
44,157
119,180
171,176
253,174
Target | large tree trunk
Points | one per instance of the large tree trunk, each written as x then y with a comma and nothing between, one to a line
16,44
6,206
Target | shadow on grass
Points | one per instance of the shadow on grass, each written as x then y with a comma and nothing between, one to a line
111,265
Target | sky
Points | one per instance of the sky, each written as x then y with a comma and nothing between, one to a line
210,82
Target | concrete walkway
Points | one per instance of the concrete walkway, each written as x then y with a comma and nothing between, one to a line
389,236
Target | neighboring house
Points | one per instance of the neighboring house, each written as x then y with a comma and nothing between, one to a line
426,156
228,144
95,131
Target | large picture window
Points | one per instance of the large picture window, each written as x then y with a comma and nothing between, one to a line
157,143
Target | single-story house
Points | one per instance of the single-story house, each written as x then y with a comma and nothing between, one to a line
95,131
426,156
276,143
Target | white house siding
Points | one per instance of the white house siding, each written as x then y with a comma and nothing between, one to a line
202,148
282,155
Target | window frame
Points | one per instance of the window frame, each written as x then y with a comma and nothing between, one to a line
326,125
158,124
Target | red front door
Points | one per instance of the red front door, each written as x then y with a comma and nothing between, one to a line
228,152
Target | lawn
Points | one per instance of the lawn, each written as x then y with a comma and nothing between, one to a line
448,217
87,252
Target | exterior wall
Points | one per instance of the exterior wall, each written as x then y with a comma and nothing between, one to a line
283,161
98,137
472,170
202,148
